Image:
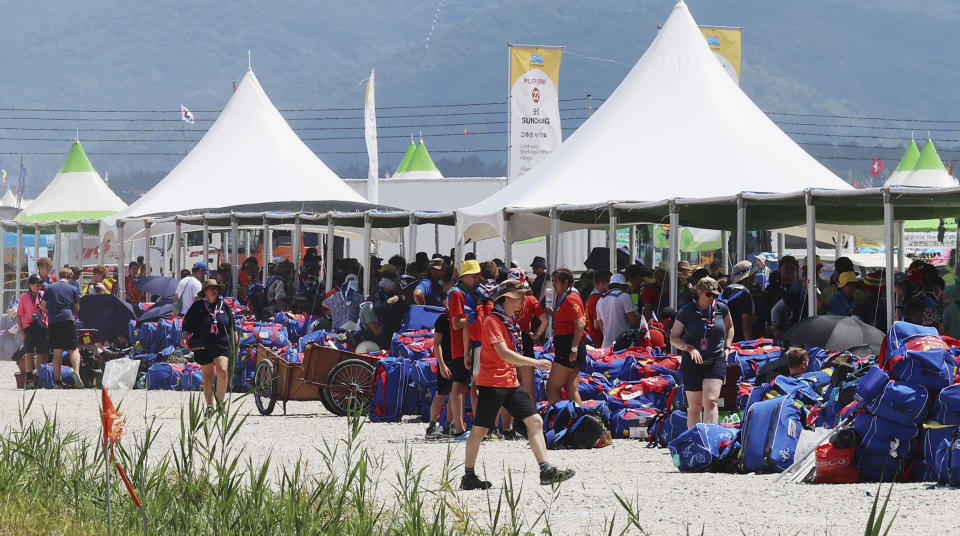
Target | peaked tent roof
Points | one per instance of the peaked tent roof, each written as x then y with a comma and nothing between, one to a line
8,199
419,165
928,171
677,126
907,163
76,192
249,160
406,158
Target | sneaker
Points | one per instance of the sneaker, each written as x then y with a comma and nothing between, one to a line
471,482
552,475
77,383
210,411
510,435
493,434
462,437
434,432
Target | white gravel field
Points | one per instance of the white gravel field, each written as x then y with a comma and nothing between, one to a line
724,504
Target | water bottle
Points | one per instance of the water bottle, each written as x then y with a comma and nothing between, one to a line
548,298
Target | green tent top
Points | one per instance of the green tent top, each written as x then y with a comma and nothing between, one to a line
419,165
77,160
929,159
406,158
910,157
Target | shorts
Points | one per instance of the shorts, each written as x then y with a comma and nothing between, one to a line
63,335
444,385
562,344
513,399
36,341
458,372
475,365
205,357
694,374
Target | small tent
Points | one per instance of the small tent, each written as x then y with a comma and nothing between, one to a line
418,164
406,158
907,163
928,170
76,192
8,199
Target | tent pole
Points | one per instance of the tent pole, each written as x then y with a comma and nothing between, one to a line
651,246
458,243
781,240
741,228
554,240
177,253
633,244
507,240
674,252
267,251
838,247
436,238
412,238
902,253
80,234
146,254
725,252
589,241
36,242
18,261
888,237
295,252
328,255
58,240
811,255
365,261
246,236
612,238
235,255
206,240
121,280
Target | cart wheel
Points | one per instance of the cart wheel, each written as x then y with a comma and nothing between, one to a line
350,382
265,382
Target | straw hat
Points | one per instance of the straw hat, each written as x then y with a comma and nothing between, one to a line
211,283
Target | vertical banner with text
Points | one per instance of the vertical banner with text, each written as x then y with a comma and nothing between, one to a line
727,44
370,133
534,108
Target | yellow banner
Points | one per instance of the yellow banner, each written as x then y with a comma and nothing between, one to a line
727,44
547,60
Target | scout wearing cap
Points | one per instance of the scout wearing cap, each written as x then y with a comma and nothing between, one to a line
511,288
742,270
708,286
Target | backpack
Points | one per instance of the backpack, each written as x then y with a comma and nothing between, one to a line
947,408
726,297
567,426
391,379
45,376
948,461
751,358
593,387
666,428
781,386
771,429
423,387
882,436
633,423
265,333
933,368
165,376
874,467
898,402
931,436
703,448
192,378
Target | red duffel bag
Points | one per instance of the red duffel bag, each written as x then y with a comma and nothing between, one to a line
835,466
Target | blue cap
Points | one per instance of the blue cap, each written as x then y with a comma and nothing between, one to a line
200,266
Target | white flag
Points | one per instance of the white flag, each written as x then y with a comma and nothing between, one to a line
370,131
186,114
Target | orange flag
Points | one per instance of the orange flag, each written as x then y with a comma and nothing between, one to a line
112,422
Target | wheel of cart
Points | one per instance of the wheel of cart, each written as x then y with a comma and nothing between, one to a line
264,390
345,379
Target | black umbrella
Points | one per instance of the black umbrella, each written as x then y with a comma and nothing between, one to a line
157,285
834,333
599,259
105,313
158,311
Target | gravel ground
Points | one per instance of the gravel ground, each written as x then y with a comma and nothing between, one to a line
723,504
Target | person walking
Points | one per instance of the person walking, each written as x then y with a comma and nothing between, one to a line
61,301
704,330
207,330
498,387
188,288
569,322
32,326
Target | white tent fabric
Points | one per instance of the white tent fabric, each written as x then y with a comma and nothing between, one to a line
677,126
250,160
8,199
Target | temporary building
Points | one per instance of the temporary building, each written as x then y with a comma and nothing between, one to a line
417,164
406,157
76,192
928,171
8,199
905,168
677,126
249,160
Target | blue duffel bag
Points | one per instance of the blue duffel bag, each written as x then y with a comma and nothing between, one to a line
948,462
771,429
894,401
875,467
947,408
703,448
391,380
880,436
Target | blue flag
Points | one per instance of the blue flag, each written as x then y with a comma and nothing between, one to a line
22,184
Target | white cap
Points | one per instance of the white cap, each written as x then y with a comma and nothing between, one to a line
618,279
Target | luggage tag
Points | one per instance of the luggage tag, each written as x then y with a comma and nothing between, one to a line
704,344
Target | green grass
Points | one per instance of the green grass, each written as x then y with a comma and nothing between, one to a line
52,482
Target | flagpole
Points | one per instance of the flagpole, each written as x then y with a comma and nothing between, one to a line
106,465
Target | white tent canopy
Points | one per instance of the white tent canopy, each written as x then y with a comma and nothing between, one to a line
249,160
8,199
677,126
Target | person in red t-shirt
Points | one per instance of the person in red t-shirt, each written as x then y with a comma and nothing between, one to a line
601,282
569,345
530,310
461,308
499,388
32,326
660,330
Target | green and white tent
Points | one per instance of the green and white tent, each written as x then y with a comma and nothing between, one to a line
417,164
907,163
928,171
76,192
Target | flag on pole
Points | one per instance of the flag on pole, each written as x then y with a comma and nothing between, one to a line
877,167
22,183
186,115
112,422
4,173
234,85
370,131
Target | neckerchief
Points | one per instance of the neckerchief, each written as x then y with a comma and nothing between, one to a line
712,311
36,304
218,308
564,297
512,327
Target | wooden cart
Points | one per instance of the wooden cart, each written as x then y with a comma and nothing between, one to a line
336,378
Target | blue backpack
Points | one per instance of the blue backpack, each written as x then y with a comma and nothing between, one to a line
771,429
163,376
423,387
947,408
880,436
703,448
948,461
191,380
783,386
567,426
934,368
45,376
391,380
875,467
931,436
666,428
